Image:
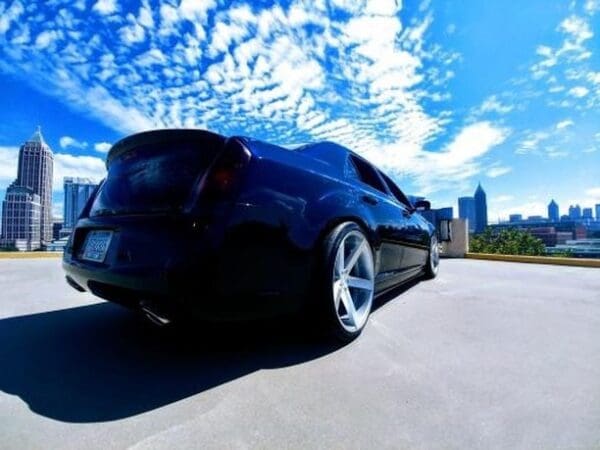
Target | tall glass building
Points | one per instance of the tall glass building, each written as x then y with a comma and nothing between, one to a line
77,192
466,210
27,208
481,219
575,212
553,211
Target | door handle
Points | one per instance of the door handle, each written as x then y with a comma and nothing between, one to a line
370,200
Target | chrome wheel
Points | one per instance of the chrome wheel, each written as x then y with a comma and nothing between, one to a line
434,255
353,281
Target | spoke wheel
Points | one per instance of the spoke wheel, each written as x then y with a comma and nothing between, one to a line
433,260
353,281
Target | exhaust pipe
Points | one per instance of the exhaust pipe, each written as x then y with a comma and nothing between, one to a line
153,316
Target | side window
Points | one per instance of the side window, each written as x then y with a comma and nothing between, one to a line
396,192
367,174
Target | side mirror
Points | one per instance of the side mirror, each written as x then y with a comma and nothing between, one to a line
423,205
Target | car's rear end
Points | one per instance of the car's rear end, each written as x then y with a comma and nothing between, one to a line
151,235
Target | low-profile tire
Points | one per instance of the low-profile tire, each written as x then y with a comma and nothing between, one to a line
347,281
433,259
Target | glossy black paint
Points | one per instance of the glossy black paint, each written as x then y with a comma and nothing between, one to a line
254,252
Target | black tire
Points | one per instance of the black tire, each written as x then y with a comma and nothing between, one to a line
326,310
433,260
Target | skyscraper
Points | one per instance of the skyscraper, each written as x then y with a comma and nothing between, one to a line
77,193
481,219
31,190
466,210
553,211
20,219
574,212
598,212
587,213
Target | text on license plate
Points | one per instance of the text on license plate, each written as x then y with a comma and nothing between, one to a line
96,245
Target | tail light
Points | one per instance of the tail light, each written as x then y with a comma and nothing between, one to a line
223,177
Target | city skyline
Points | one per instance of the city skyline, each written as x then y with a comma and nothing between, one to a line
436,100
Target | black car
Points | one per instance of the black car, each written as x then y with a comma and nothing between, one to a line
189,223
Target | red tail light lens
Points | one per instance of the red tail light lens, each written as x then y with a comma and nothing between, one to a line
224,175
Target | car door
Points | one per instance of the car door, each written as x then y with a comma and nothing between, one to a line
409,230
376,196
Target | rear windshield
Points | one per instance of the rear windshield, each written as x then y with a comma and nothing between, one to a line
153,178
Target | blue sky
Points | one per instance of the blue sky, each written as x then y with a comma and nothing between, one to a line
440,94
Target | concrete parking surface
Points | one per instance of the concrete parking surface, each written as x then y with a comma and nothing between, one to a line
488,355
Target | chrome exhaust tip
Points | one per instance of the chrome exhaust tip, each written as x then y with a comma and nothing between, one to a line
153,316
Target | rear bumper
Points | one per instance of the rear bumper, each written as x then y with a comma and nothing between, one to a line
239,271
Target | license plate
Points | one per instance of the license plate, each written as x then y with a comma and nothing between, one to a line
96,245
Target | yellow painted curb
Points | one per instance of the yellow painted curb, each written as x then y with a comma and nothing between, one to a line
26,255
559,261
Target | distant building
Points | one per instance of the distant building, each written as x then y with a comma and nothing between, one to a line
57,226
574,212
580,248
435,216
515,218
415,198
587,213
550,236
481,219
21,211
552,233
77,192
553,211
445,213
535,219
598,212
466,210
30,197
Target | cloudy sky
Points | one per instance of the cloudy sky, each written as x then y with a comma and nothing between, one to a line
440,94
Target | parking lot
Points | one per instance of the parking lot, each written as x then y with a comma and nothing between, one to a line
488,355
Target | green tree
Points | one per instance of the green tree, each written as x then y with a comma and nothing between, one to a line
507,242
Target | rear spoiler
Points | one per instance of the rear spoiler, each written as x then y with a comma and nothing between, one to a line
160,136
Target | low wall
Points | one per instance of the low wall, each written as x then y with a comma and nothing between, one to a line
579,262
23,255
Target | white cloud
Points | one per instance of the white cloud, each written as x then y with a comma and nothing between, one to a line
102,147
283,73
495,172
383,7
579,91
502,198
445,169
594,192
564,124
578,28
11,15
145,16
105,7
8,165
493,104
67,165
45,38
532,141
592,6
502,212
64,165
68,141
132,33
